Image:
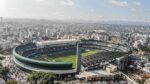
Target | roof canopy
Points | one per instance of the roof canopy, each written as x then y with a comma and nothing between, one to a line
52,42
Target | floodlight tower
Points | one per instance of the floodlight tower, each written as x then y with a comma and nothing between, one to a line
78,58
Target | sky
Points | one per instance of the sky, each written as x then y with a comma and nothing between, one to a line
93,10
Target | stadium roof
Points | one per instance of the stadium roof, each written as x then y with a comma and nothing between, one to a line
50,42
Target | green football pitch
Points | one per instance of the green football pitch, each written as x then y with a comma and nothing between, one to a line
66,58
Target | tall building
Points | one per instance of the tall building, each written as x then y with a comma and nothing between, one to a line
35,38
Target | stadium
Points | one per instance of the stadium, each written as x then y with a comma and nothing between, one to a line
66,56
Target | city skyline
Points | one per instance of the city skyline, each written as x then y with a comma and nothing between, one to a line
74,42
88,10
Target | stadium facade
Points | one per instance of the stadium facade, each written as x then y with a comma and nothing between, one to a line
23,54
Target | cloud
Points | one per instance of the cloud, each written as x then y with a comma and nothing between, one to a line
40,1
137,3
67,2
134,9
2,5
119,3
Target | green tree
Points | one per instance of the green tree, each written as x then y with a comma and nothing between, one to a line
1,58
3,72
42,77
11,82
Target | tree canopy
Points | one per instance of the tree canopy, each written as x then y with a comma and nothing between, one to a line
11,82
41,78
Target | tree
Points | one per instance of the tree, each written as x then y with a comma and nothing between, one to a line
42,77
11,82
3,72
1,58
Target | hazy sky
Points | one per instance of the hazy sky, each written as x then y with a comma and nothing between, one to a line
130,10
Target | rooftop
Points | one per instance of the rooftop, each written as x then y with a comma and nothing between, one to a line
49,42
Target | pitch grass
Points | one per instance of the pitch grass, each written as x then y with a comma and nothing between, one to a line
68,58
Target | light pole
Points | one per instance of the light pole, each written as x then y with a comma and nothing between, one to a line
78,58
